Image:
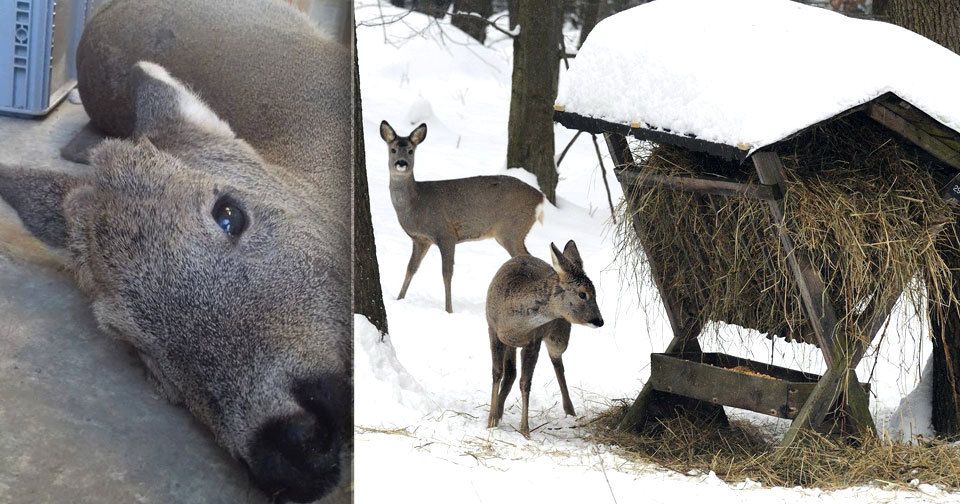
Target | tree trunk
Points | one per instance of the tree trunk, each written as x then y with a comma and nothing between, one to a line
590,15
938,20
367,296
476,28
435,8
536,67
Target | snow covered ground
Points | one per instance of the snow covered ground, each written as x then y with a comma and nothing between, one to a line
421,394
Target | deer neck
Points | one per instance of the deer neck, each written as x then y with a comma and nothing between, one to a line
403,192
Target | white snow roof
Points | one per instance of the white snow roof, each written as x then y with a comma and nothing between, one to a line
748,73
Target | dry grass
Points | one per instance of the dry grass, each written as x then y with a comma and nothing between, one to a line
743,451
863,206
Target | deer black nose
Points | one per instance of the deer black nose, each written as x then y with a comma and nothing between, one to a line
597,322
296,458
401,163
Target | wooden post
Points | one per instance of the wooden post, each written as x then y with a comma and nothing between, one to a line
945,332
839,386
686,327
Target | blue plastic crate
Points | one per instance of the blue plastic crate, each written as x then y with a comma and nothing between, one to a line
38,43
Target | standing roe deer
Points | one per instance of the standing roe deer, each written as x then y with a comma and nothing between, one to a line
529,302
215,239
448,212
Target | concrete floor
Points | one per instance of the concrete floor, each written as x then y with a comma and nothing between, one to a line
79,422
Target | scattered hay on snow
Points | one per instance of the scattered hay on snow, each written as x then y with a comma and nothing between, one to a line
743,452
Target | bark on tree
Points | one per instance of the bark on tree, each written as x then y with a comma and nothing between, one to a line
590,15
536,67
367,295
476,28
435,8
938,20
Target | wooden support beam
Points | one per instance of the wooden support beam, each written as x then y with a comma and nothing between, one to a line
623,160
701,185
812,413
816,303
903,119
685,327
857,404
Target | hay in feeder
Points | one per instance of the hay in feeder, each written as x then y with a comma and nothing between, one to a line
862,205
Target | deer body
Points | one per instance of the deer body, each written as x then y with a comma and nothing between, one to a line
447,212
214,236
529,303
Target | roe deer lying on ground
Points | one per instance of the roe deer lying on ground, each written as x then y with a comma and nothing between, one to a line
219,248
529,302
447,212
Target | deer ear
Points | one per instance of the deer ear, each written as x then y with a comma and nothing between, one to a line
38,197
162,102
570,252
386,132
560,263
419,134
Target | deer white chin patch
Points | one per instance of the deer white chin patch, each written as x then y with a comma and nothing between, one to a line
591,326
400,168
191,106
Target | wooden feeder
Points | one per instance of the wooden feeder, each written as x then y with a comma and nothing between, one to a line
699,382
729,80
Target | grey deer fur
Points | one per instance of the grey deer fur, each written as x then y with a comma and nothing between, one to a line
528,302
447,212
245,320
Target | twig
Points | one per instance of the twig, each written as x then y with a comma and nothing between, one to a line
565,149
603,469
603,170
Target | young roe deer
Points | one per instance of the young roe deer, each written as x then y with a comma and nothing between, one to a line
529,302
447,212
214,237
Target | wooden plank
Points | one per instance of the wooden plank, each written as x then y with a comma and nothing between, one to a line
818,307
891,116
592,125
650,404
765,391
696,184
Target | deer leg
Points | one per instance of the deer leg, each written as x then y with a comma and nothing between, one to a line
512,245
528,361
556,341
509,375
446,257
497,353
562,380
420,248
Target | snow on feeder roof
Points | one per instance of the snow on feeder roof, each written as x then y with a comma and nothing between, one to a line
734,76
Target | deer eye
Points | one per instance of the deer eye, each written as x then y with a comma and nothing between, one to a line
584,295
393,151
229,216
410,151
